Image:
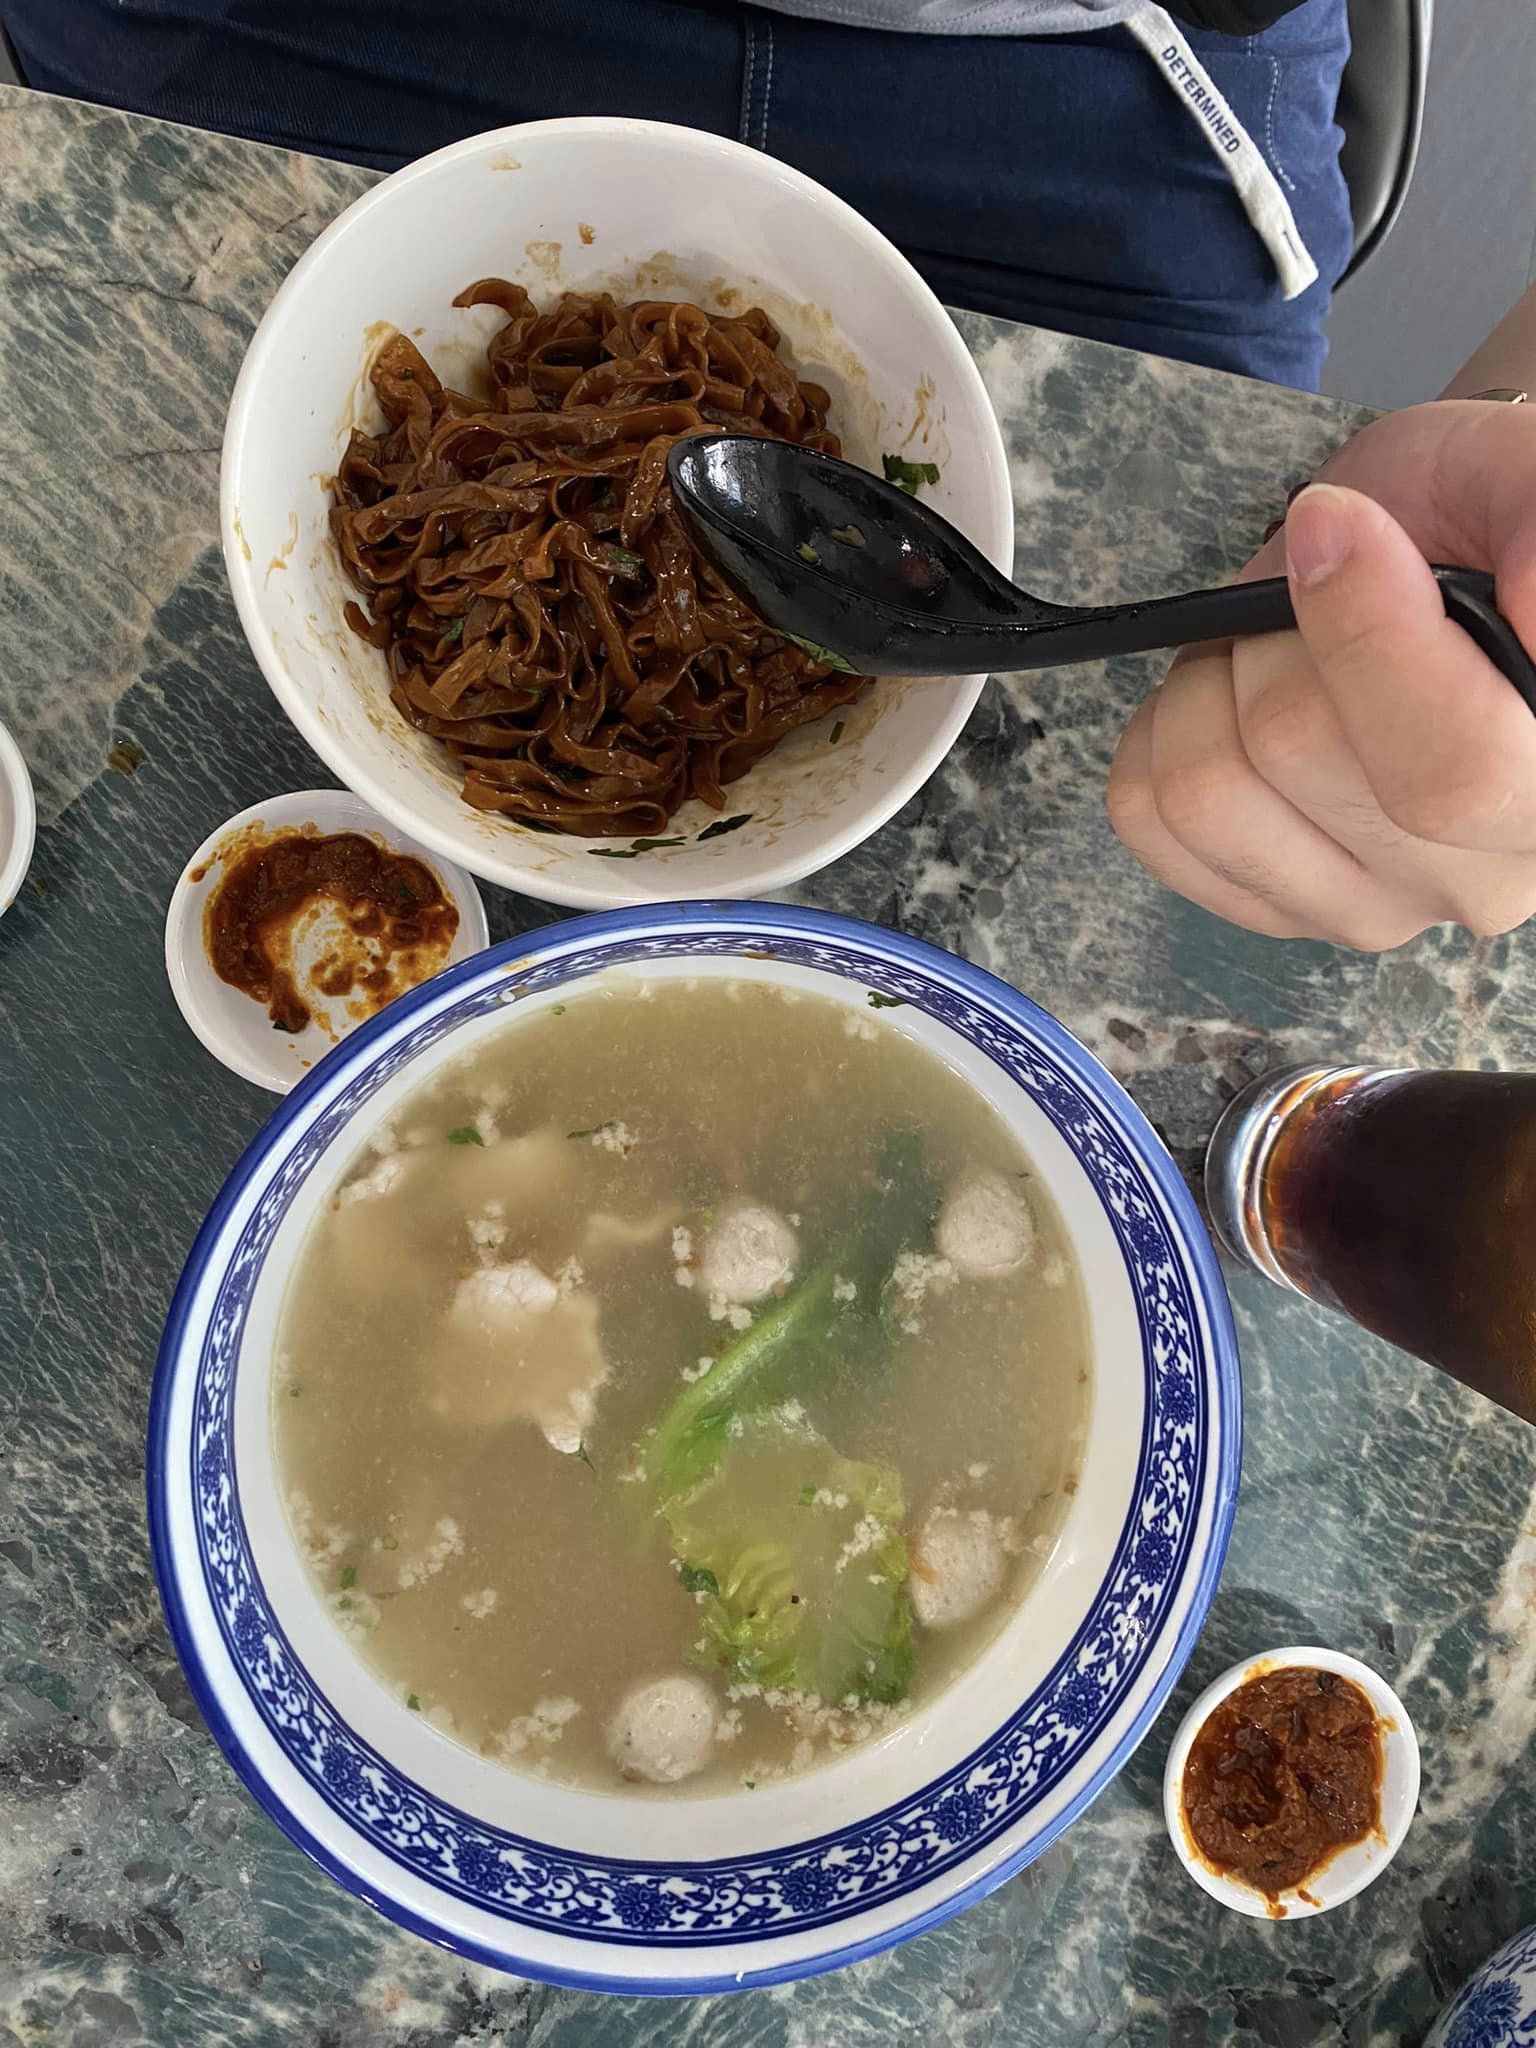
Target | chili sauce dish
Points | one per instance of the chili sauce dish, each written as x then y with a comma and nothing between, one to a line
1291,1783
694,1444
301,917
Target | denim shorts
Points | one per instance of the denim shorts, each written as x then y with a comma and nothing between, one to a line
1052,179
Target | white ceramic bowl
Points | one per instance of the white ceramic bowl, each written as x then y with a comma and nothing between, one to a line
692,1894
1352,1869
643,209
234,1026
18,820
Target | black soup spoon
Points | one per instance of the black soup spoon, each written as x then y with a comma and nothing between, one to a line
862,574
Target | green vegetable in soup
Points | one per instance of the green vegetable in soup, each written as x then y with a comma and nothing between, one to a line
695,1578
836,1316
815,1603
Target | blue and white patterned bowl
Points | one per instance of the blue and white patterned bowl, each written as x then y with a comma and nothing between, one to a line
641,1894
1496,2008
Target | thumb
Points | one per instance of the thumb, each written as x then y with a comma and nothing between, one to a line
1448,747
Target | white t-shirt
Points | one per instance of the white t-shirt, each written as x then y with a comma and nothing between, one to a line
966,17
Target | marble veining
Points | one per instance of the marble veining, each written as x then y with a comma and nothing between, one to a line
143,1897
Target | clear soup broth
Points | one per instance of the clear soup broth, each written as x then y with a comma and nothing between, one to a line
687,1384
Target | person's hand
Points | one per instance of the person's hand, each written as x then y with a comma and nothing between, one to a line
1371,773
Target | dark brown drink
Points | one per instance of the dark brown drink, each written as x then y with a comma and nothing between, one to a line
1406,1200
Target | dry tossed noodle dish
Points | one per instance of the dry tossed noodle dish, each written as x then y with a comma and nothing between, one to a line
690,1381
541,609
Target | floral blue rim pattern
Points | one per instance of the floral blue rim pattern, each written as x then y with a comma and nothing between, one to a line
1495,2008
812,1883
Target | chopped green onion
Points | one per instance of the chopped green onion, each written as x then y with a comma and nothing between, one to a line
466,1134
908,475
822,654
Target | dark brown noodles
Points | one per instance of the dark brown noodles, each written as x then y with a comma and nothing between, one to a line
541,609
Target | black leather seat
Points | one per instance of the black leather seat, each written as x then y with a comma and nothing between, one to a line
1381,111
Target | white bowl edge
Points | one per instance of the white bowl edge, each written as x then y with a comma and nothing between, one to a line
16,851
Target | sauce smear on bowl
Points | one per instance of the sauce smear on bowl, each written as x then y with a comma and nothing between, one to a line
1282,1775
396,922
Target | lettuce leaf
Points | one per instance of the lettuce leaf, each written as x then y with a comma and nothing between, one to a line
799,1556
815,1324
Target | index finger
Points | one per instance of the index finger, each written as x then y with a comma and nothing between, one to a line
1447,745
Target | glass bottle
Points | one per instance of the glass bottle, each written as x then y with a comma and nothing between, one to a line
1405,1199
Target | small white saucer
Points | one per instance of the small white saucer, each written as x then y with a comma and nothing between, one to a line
1352,1869
234,1026
18,820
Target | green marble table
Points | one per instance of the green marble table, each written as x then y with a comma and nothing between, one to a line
143,1898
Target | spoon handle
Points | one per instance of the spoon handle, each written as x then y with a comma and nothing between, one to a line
1237,609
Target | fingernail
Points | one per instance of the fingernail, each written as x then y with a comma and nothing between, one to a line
1319,536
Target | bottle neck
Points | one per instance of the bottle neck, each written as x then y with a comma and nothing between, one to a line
1239,1151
